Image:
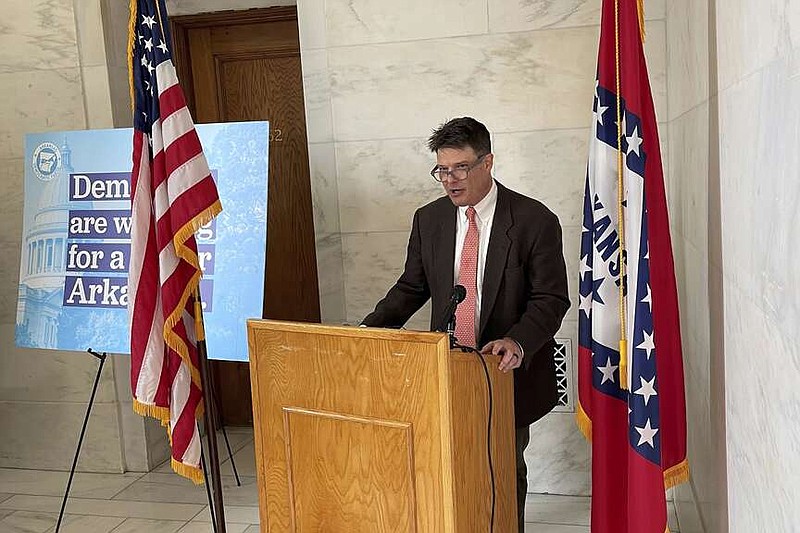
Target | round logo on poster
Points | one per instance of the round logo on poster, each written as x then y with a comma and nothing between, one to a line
46,161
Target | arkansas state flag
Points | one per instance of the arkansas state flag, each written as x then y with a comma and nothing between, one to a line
631,395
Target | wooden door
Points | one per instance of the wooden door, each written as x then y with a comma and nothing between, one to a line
239,66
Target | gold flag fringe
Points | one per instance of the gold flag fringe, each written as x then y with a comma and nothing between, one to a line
640,9
173,340
183,251
131,40
190,228
191,472
677,474
153,411
584,422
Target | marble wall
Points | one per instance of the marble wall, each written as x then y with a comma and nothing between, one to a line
690,192
54,75
758,43
734,102
378,76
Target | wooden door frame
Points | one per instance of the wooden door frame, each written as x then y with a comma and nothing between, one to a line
181,25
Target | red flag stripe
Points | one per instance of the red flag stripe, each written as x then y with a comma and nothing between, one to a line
175,116
183,205
182,149
183,178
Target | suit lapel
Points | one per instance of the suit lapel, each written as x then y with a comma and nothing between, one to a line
444,251
499,245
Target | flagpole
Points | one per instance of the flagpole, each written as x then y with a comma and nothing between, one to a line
623,338
218,511
208,489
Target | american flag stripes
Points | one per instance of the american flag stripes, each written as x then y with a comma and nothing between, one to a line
172,195
632,408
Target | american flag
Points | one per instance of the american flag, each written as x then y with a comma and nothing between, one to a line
173,194
633,412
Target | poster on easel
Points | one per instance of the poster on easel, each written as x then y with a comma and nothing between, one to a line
73,288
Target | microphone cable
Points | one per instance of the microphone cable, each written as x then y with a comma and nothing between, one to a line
488,425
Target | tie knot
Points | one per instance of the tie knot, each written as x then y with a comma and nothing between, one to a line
471,213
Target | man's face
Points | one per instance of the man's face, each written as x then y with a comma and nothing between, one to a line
477,183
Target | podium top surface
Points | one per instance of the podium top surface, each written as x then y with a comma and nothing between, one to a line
400,335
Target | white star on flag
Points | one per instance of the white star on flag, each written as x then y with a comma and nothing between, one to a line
162,46
585,266
148,44
149,21
647,344
647,389
601,109
646,434
608,372
647,299
586,304
634,141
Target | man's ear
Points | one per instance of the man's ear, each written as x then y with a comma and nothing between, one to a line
488,160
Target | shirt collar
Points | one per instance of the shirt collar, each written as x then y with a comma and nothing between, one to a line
485,208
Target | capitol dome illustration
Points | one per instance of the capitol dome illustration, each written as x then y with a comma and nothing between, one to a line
43,262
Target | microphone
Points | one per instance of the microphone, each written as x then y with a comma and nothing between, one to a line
448,322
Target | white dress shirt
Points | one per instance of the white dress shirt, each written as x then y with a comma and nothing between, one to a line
484,216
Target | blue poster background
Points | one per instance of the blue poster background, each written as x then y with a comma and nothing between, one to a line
73,271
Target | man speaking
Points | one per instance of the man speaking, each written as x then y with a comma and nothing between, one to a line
505,249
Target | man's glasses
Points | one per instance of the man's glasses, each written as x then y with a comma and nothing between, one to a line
459,173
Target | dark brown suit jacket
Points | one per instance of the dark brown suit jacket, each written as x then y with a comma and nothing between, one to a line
524,287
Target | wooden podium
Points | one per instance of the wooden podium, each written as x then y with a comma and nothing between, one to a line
375,430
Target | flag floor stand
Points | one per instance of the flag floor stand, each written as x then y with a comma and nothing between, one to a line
217,506
102,358
218,411
209,431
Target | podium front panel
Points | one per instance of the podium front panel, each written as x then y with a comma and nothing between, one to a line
352,429
350,473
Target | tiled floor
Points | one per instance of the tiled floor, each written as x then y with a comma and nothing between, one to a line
162,502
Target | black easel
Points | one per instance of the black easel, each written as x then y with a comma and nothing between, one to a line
102,358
